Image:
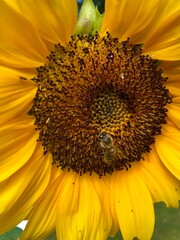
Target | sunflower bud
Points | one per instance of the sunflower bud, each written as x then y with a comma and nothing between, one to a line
90,19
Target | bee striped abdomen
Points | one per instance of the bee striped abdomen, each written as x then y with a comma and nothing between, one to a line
111,152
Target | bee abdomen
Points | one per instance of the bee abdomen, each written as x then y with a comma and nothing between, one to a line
110,155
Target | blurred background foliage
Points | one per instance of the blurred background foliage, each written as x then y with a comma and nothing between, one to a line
167,225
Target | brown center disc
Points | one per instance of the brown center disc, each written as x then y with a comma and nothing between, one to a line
99,104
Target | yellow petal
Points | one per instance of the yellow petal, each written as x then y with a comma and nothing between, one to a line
102,187
16,95
85,218
55,19
133,204
41,220
163,43
73,204
134,19
161,183
174,111
170,67
173,84
23,120
23,188
21,45
19,72
170,51
14,4
175,91
168,146
25,72
17,144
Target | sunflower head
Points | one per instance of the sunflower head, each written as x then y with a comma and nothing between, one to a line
89,127
95,85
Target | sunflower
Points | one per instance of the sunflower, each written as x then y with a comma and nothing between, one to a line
90,123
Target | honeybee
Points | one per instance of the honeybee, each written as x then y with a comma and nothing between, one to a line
111,152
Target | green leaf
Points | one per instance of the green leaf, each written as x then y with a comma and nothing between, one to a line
167,223
51,237
11,235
